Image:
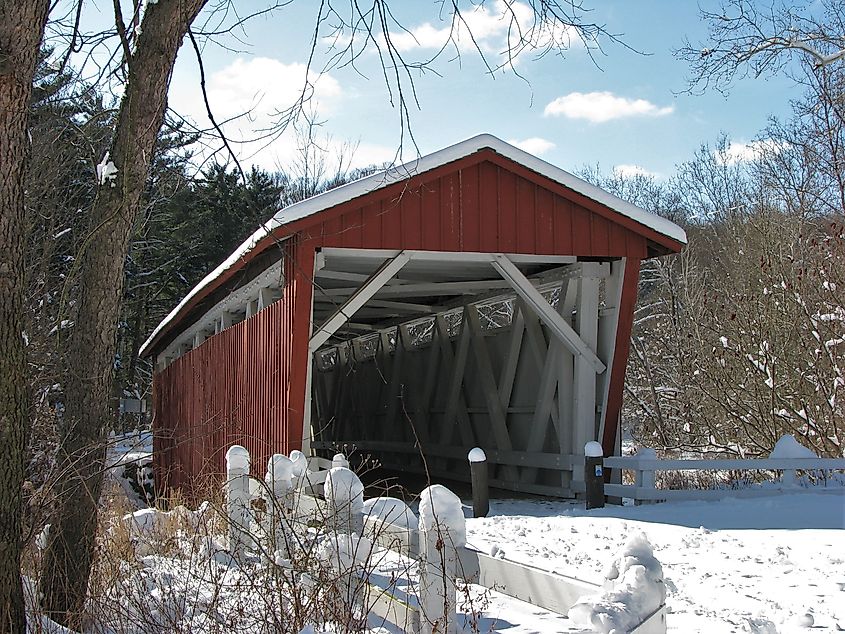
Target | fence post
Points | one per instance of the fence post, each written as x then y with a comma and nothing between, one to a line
344,494
339,460
645,477
480,484
442,533
237,499
787,478
594,475
278,496
300,467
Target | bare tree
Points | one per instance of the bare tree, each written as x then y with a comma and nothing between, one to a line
122,175
21,29
746,38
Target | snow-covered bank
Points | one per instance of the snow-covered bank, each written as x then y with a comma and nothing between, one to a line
758,565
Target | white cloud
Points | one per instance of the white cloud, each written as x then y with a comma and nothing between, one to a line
598,107
741,152
246,97
630,171
494,29
533,145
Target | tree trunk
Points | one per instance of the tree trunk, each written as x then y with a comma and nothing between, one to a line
88,414
21,28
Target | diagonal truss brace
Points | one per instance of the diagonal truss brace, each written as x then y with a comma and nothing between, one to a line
360,297
557,324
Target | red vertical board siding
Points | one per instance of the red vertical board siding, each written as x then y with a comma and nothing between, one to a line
581,234
563,225
450,213
247,384
599,235
470,209
526,209
430,215
544,221
411,206
391,228
507,184
488,207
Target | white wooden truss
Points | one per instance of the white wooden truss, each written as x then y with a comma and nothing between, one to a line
528,384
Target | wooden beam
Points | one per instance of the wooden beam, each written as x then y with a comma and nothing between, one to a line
226,319
557,325
199,337
358,299
265,298
251,308
455,404
584,415
344,276
608,323
497,417
405,307
424,289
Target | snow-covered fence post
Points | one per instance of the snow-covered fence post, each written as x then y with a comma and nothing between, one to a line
237,499
644,478
300,467
278,498
480,484
442,533
339,460
344,494
788,448
594,475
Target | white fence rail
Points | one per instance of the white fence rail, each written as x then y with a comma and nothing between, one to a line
422,597
645,465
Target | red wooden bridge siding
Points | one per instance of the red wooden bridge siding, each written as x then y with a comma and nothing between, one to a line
246,385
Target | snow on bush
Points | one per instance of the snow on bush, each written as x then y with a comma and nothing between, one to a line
346,552
637,591
440,507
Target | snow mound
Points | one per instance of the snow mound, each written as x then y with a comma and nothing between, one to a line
440,507
152,522
637,591
788,448
346,552
392,511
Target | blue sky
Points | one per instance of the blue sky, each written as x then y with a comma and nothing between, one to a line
627,111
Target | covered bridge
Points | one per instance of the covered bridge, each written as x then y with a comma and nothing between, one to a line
478,296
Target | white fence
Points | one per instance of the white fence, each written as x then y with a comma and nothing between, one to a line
406,570
645,464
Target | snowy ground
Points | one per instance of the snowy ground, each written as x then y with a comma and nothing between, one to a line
760,565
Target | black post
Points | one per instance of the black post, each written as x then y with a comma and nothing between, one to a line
594,475
480,483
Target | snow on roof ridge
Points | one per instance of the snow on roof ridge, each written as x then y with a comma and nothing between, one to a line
367,184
